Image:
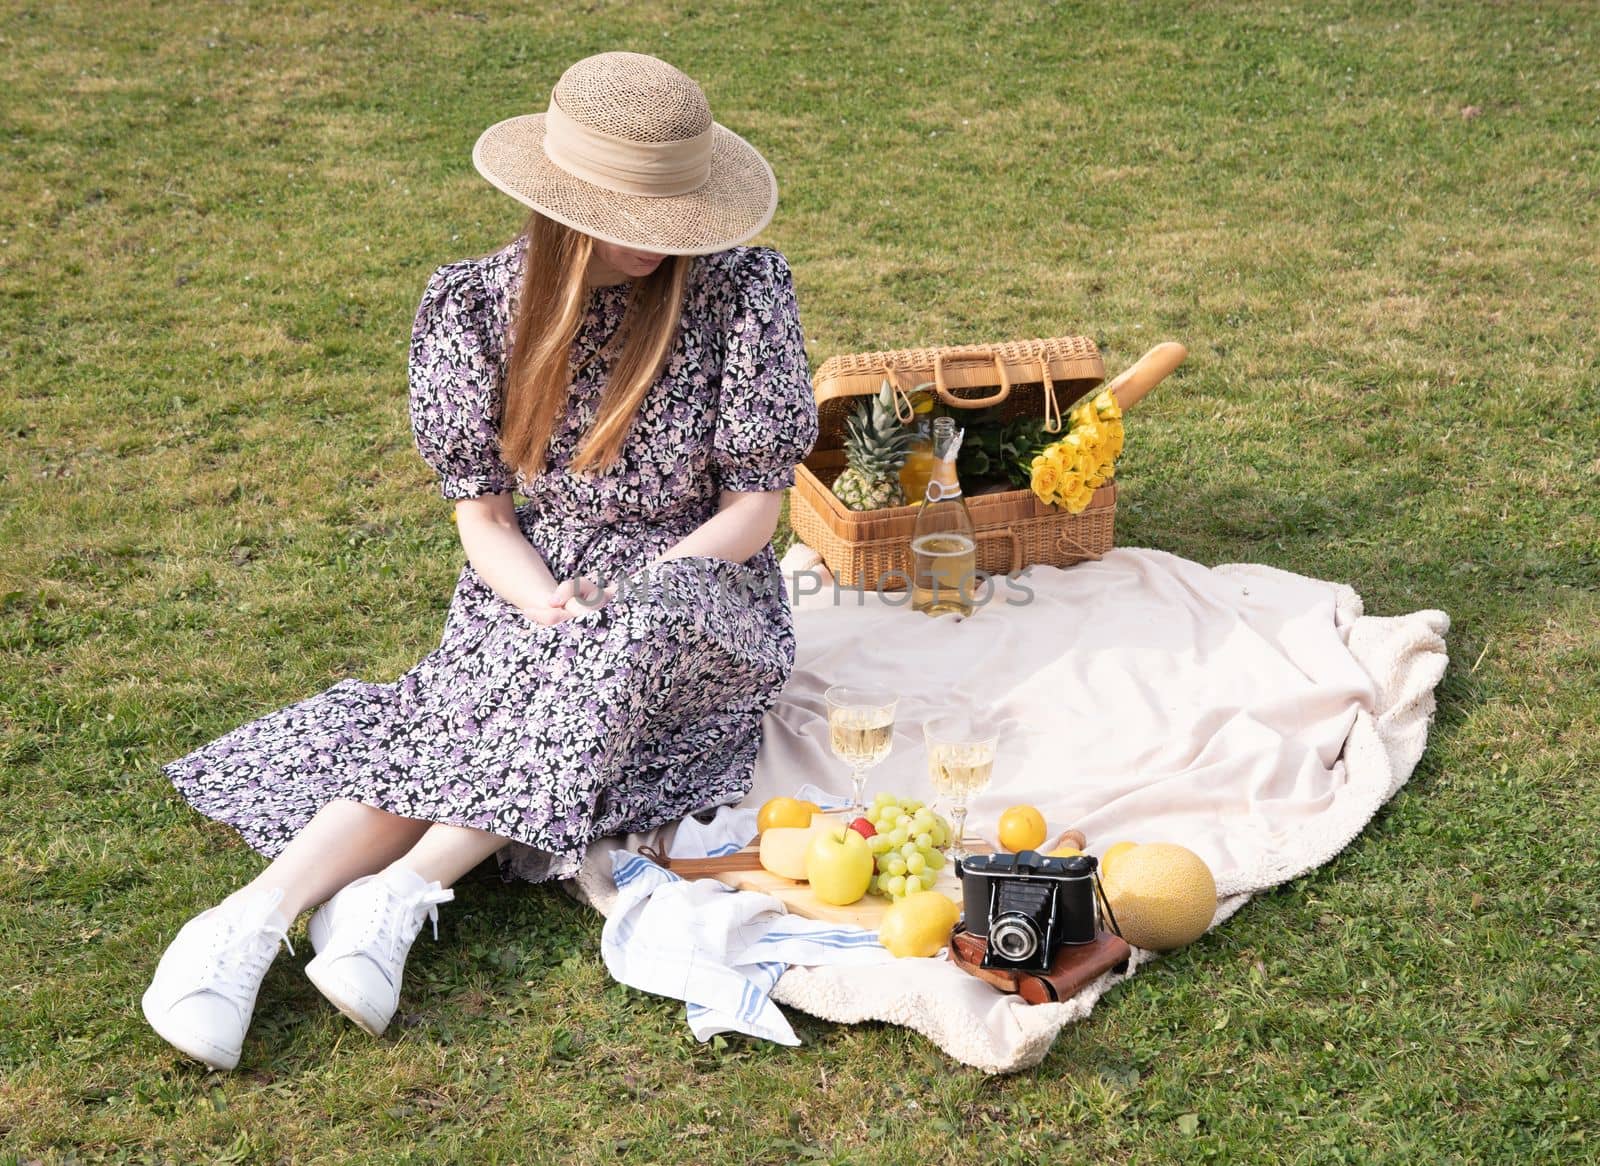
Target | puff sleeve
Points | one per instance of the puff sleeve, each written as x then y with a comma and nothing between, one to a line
456,373
766,416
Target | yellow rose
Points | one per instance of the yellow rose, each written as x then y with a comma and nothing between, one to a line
1065,458
1106,407
1088,460
1080,501
1045,480
1069,484
1113,446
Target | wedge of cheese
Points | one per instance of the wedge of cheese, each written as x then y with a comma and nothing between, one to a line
783,848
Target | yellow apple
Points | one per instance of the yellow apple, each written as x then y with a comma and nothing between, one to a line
838,866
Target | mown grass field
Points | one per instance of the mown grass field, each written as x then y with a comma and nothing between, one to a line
1374,224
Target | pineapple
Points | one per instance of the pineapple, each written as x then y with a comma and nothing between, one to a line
874,446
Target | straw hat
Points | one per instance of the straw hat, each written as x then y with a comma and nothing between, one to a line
628,153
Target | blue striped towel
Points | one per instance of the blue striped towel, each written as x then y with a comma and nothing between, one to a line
719,950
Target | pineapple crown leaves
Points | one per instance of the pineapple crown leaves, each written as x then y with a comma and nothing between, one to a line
884,416
874,432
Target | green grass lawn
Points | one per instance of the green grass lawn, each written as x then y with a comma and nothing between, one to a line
1375,226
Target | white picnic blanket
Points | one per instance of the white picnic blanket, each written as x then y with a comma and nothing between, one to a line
1255,716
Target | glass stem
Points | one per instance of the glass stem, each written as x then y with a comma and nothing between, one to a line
858,780
958,827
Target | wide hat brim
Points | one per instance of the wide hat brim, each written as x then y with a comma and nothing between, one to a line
733,205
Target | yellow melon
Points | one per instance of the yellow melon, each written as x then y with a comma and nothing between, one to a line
1162,894
1113,852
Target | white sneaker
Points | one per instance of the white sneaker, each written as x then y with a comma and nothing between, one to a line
204,990
361,937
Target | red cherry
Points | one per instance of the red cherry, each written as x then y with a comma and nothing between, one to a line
863,827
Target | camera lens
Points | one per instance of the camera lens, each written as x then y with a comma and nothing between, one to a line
1014,937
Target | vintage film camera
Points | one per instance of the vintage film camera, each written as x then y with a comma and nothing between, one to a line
1026,906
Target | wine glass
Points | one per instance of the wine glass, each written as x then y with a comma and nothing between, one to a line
860,730
960,762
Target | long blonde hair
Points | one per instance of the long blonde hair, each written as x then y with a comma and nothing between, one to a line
549,314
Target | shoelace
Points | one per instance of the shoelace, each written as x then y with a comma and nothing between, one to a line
397,917
238,957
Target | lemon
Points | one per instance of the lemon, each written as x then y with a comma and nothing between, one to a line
1065,852
919,924
1162,894
1022,828
785,812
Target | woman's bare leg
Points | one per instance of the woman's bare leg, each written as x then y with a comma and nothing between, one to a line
343,842
444,853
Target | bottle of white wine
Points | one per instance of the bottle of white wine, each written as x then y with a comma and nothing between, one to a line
944,545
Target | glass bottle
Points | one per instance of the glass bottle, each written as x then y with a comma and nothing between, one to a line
944,544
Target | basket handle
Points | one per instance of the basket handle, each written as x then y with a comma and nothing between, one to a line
1065,542
891,376
956,402
1016,544
1052,407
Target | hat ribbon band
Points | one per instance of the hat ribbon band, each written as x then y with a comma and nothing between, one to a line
650,169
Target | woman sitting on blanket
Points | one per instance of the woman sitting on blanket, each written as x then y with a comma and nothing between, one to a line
613,641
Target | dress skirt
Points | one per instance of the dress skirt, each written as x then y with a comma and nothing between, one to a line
622,719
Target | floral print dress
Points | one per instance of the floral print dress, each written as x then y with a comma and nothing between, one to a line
627,717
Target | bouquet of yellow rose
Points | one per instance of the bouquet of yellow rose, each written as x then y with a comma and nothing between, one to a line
1067,472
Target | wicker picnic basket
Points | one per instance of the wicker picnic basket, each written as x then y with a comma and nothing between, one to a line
871,548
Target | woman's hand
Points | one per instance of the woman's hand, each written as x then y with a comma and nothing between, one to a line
546,614
572,597
581,594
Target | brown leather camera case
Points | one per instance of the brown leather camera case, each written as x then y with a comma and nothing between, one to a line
1075,966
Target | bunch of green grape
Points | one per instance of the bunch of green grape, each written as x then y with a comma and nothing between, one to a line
905,849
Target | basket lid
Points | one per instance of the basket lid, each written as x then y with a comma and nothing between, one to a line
1010,376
